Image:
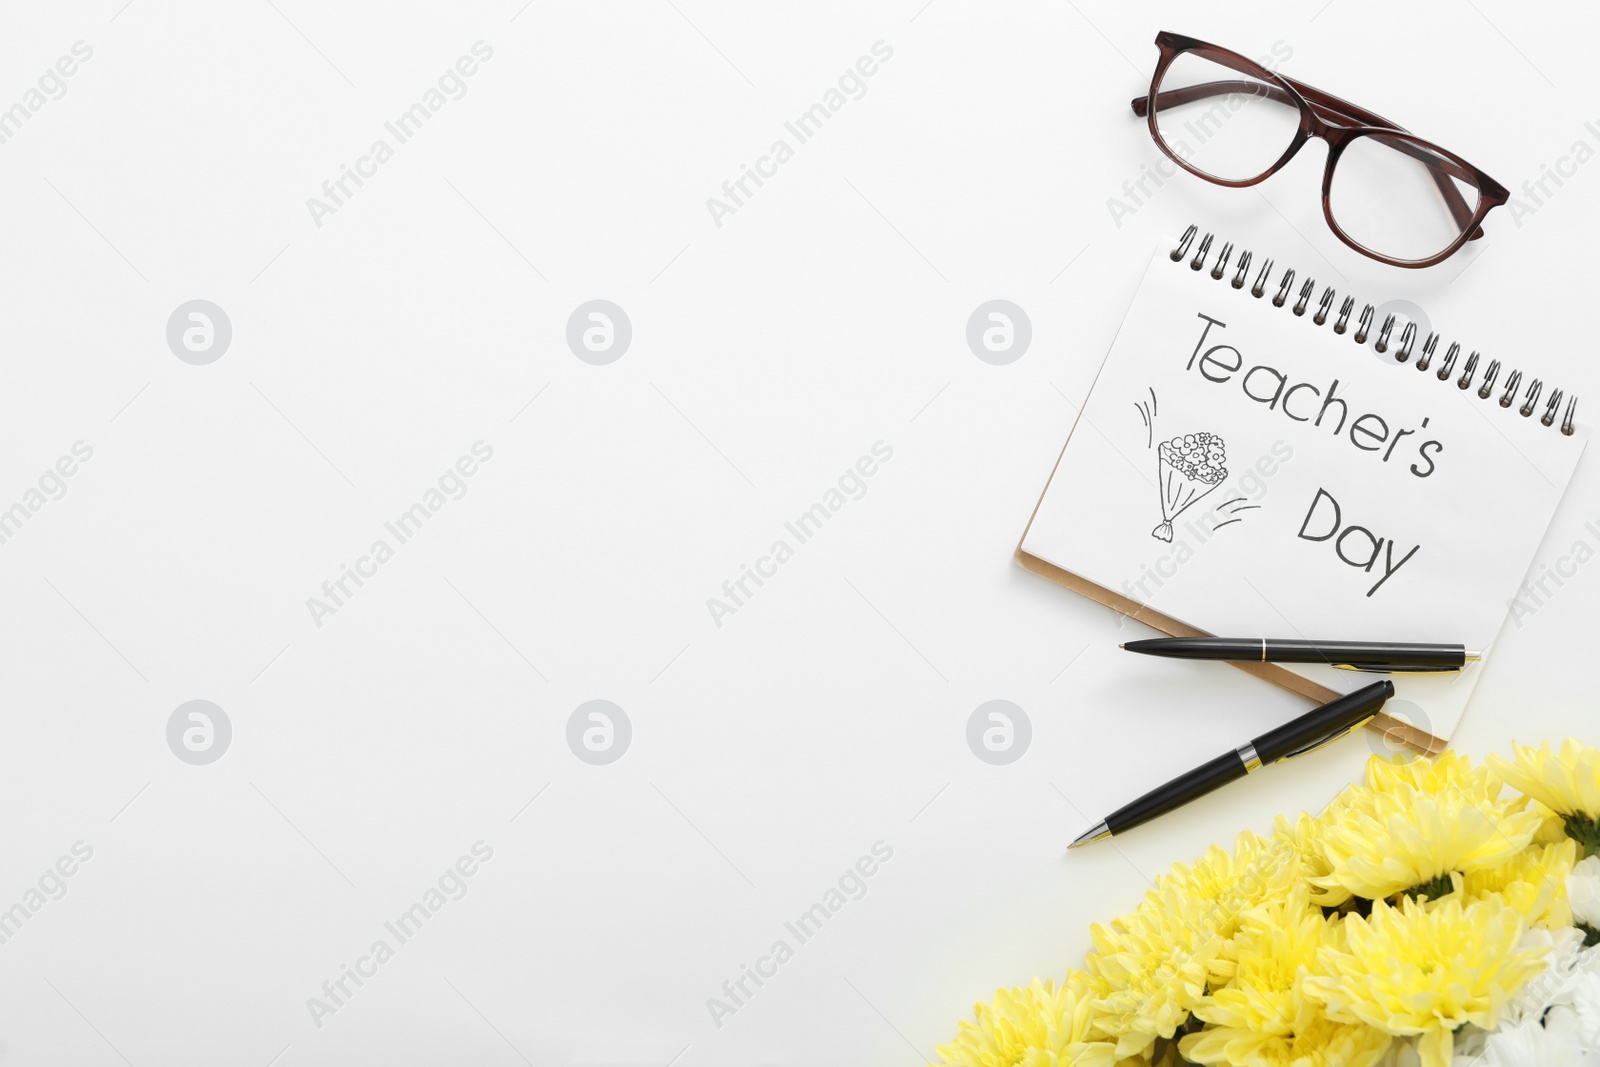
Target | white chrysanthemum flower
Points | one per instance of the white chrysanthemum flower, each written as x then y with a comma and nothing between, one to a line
1554,1018
1583,892
1588,960
1563,949
1526,1044
1402,1053
1584,993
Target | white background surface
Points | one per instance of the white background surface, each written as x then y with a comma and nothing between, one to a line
769,353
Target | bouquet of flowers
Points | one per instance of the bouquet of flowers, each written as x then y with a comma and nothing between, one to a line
1430,917
1187,468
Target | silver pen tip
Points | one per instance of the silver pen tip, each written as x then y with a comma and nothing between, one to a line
1094,833
1470,656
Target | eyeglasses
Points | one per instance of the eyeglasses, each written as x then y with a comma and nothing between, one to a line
1386,193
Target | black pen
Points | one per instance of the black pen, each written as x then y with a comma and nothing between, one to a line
1404,657
1297,736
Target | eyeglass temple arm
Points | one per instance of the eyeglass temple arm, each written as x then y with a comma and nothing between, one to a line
1326,106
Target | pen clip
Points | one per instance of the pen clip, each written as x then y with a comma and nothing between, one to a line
1329,739
1387,668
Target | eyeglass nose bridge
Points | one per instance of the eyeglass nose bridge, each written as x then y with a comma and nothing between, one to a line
1337,134
1322,121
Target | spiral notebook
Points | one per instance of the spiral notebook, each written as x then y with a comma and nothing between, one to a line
1259,457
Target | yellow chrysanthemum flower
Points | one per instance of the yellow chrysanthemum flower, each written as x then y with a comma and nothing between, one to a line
1446,771
1262,1018
1425,970
1566,782
1041,1025
1225,885
1552,826
1314,1041
1214,875
1387,774
1449,772
1153,963
1534,882
1303,837
1414,826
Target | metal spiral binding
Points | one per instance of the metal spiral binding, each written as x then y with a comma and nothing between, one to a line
1322,308
1364,325
1261,279
1533,398
1201,243
1428,348
1488,379
1550,408
1183,243
1428,351
1305,296
1348,306
1244,268
1511,388
1449,365
1222,262
1408,339
1283,289
1382,344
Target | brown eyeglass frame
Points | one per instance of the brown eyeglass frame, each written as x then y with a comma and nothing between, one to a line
1335,121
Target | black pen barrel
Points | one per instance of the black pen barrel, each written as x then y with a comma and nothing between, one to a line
1316,725
1227,648
1197,783
1402,655
1320,722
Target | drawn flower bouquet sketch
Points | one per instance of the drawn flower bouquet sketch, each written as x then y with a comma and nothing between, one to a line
1187,468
